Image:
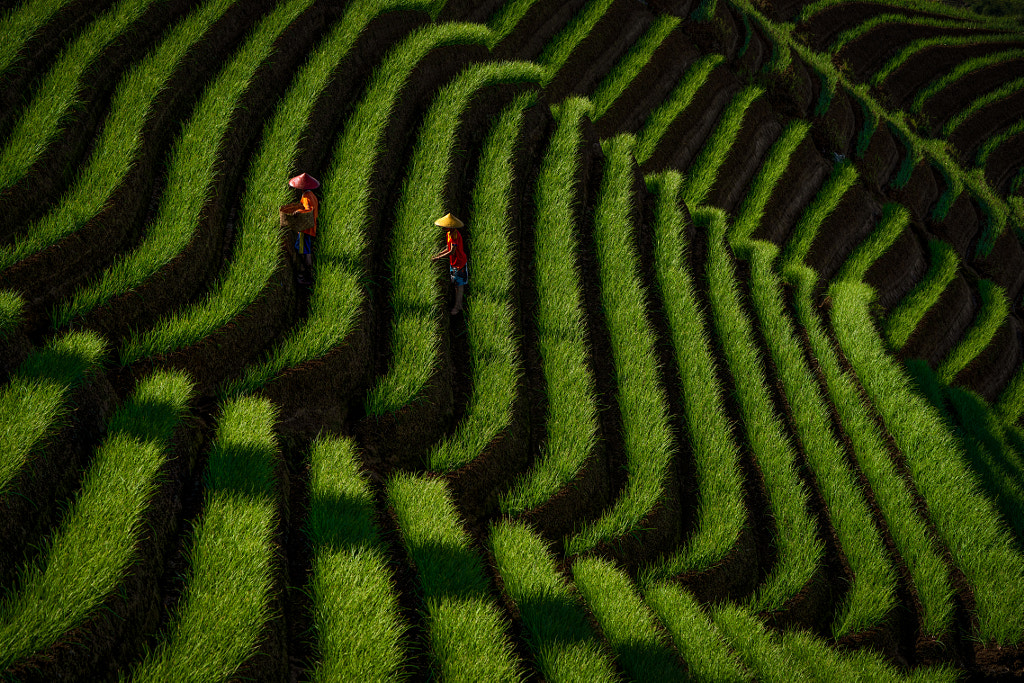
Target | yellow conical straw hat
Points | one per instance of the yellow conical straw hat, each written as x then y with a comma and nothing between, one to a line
448,221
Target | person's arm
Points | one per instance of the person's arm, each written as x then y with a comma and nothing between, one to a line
441,254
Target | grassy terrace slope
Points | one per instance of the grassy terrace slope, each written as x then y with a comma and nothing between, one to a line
736,393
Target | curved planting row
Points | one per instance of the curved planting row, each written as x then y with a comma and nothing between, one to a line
717,407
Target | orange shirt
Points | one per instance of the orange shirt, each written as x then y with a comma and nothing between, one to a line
309,203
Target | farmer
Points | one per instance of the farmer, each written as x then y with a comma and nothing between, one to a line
302,217
457,261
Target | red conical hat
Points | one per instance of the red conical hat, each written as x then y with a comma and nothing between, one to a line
304,182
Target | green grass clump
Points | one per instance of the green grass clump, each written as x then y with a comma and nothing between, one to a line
626,69
338,291
562,642
415,329
704,170
994,309
84,562
904,318
1002,92
677,101
646,433
19,24
35,402
231,574
641,647
191,171
702,647
961,71
1010,403
800,550
561,329
467,633
117,145
895,219
966,520
12,312
721,514
495,363
39,123
561,47
825,202
359,628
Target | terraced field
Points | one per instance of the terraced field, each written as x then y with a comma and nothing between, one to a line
736,394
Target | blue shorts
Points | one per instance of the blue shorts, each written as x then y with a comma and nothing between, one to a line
459,276
303,243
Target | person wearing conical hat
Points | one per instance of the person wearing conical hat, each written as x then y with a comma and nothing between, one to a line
302,216
458,262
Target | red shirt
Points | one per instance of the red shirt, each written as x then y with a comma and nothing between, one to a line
456,255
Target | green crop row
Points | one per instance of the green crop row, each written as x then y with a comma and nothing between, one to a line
961,71
466,631
19,24
561,329
706,653
191,171
926,6
561,47
965,519
344,208
36,400
994,309
672,106
359,628
895,219
562,642
641,647
230,582
895,501
762,187
415,332
1002,92
494,361
646,433
888,19
985,447
82,564
629,66
872,593
118,144
257,251
40,121
800,550
721,514
825,202
904,318
703,172
12,312
996,140
996,209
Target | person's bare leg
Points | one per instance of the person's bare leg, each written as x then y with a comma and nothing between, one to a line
458,300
